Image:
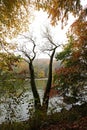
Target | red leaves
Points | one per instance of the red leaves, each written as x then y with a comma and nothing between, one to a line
69,70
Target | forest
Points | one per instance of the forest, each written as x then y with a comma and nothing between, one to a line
40,66
43,93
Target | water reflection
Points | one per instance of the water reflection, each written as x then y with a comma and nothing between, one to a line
18,105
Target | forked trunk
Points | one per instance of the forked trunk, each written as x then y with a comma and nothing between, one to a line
37,103
49,84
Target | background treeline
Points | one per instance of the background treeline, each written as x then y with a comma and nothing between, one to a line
40,67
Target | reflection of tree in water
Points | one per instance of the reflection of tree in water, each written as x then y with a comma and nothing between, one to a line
17,103
11,108
11,89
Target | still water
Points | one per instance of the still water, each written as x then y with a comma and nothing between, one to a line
16,106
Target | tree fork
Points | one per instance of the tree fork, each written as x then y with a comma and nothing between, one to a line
49,83
37,102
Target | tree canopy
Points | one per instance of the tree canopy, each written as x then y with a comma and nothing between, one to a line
60,9
15,15
72,76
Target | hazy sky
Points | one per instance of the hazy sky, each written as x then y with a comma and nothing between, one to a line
41,20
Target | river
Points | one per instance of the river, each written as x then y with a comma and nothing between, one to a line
19,106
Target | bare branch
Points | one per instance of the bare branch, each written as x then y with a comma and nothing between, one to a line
29,53
49,43
34,45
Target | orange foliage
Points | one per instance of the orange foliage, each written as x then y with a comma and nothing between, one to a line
67,70
53,92
59,9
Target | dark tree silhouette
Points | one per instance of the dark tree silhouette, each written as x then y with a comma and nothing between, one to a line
49,47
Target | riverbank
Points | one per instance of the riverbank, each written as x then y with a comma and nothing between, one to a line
73,119
80,124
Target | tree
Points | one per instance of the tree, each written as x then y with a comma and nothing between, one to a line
9,61
48,47
15,12
60,9
12,13
71,77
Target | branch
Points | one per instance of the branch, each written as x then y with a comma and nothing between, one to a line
29,54
33,48
50,43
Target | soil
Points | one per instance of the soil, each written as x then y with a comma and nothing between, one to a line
77,125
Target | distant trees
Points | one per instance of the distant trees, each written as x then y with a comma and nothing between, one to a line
71,78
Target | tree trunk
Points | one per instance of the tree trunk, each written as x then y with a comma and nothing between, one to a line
37,102
49,83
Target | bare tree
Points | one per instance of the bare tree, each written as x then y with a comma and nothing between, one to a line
49,47
31,55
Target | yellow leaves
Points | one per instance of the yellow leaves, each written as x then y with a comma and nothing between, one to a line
14,17
41,74
60,9
76,55
8,61
79,32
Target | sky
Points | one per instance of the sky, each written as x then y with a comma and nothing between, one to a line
41,20
38,25
36,29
